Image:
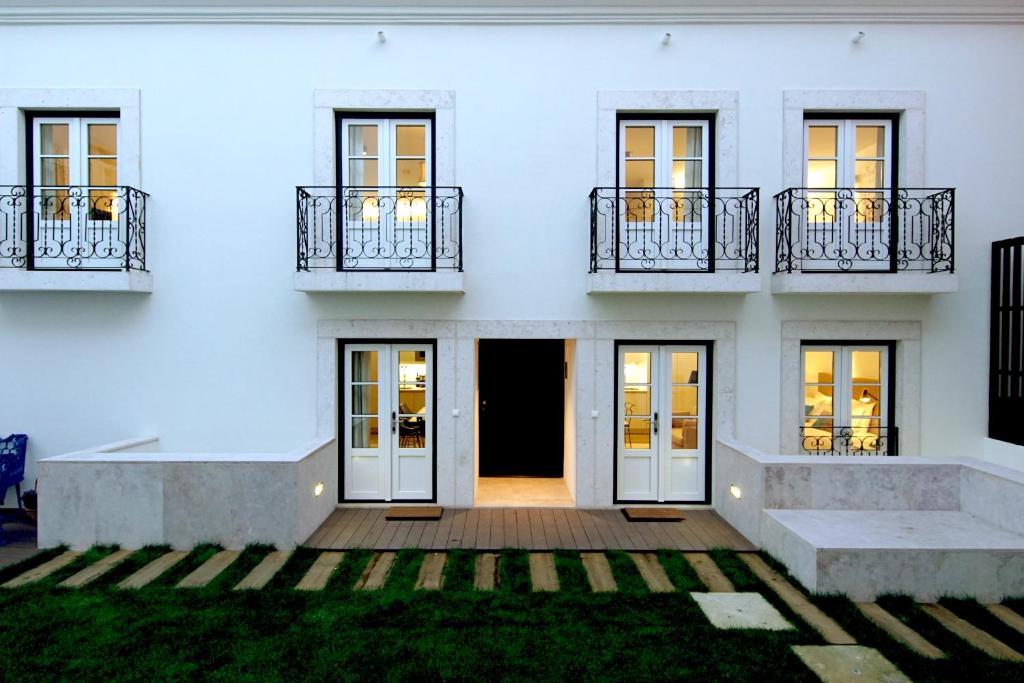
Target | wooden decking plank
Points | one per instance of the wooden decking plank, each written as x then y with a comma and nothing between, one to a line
663,535
95,570
537,533
524,528
469,531
401,538
320,571
149,573
486,575
352,522
611,520
737,541
898,630
565,538
976,637
415,537
386,540
324,530
698,522
497,529
209,570
376,573
652,572
262,573
709,573
831,631
457,534
443,538
483,532
363,527
543,574
599,572
511,528
337,522
376,529
579,522
431,575
45,569
597,523
1008,617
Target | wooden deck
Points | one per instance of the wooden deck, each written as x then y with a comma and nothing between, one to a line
21,542
530,528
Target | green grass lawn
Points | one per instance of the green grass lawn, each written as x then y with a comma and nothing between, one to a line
397,633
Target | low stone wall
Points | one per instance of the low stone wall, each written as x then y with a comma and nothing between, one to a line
130,494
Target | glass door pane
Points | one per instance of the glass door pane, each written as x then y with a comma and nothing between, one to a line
367,428
681,445
866,400
637,448
413,410
819,399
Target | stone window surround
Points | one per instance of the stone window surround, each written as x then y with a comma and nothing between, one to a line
906,334
909,103
327,102
14,102
723,103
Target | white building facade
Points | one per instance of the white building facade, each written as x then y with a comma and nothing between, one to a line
442,243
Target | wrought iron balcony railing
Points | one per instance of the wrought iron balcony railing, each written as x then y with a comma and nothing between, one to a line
72,228
674,230
858,230
380,228
856,440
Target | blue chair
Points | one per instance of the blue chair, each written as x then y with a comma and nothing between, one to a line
12,469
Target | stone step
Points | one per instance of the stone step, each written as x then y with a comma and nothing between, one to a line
543,574
43,570
709,573
209,570
376,573
485,577
262,573
982,640
652,572
599,572
319,573
898,630
143,577
95,570
431,575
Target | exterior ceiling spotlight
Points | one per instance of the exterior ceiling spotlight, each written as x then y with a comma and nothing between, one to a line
857,37
666,39
380,37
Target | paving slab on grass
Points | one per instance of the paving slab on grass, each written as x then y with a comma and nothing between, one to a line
543,574
982,640
709,573
319,573
740,610
486,575
1008,617
43,570
599,572
431,575
376,572
898,630
209,570
154,569
849,664
95,570
262,573
652,572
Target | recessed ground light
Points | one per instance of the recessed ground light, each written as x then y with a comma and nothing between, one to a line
735,491
318,489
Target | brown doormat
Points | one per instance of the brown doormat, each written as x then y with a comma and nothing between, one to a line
414,512
653,514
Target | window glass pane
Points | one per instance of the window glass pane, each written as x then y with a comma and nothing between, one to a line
412,367
867,367
362,172
55,171
684,433
411,141
637,433
684,368
687,141
821,141
365,432
410,173
639,141
103,139
637,367
637,401
869,174
687,174
54,138
870,141
684,401
639,174
55,205
103,205
362,141
818,367
412,399
364,399
821,173
818,401
866,400
364,366
103,171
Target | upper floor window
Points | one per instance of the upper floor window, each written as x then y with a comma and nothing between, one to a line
849,153
667,154
386,152
74,167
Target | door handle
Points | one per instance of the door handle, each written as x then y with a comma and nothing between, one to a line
394,422
655,423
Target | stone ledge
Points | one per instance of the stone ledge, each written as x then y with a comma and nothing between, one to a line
864,283
412,282
16,280
673,283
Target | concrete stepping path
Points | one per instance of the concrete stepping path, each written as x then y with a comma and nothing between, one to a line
376,573
485,577
95,570
982,640
599,572
262,573
45,569
709,573
831,631
543,574
848,664
899,631
1008,617
651,570
740,610
319,573
151,571
431,576
209,570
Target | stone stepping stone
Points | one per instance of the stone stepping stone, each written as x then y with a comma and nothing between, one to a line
151,571
319,573
543,574
848,664
262,573
376,572
832,632
43,570
486,575
1007,616
898,630
982,640
599,573
709,573
209,570
740,610
95,570
431,572
651,570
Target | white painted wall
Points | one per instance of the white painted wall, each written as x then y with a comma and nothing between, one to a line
222,356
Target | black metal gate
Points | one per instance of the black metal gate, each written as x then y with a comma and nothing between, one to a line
1006,366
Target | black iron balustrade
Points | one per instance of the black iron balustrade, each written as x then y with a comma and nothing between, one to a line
72,228
855,440
674,230
864,230
379,228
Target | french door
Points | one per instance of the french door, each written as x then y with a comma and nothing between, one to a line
388,421
662,423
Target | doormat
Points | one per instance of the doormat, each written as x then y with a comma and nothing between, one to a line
414,513
653,514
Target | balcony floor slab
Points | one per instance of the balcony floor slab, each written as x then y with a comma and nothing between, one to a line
721,282
17,280
391,281
864,283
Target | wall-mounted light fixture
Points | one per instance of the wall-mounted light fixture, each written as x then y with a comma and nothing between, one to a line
380,37
735,491
666,39
857,37
318,490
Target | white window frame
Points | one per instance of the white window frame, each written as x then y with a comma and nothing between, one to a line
664,156
846,153
387,157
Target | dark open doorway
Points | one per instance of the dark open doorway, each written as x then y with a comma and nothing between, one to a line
522,397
